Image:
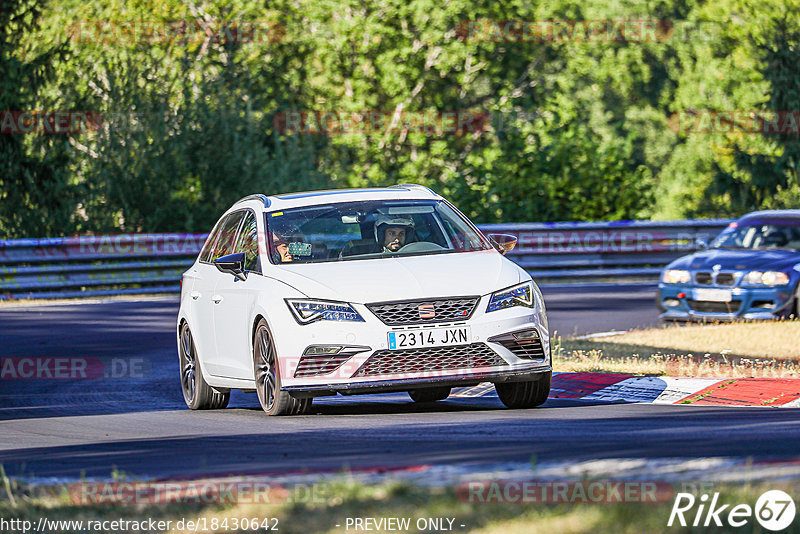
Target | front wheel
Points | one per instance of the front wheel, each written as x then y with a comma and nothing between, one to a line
429,394
797,303
525,394
266,368
197,394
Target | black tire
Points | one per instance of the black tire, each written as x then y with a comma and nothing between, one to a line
429,394
267,375
197,394
797,302
659,304
525,394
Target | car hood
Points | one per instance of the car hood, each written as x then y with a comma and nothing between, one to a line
403,278
739,260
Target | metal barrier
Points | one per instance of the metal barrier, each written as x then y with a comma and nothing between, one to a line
152,263
604,250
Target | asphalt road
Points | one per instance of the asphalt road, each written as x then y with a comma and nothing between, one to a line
129,413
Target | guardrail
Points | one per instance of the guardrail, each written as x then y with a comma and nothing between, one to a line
599,250
152,263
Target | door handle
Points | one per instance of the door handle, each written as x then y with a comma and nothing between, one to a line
195,295
216,299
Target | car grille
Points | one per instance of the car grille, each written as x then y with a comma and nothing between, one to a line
725,279
408,312
722,279
386,362
703,278
714,307
320,364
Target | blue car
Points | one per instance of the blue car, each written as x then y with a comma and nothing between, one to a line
750,271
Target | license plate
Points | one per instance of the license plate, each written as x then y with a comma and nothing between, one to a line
713,295
429,337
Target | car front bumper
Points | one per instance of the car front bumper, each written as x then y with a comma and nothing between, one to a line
371,337
747,303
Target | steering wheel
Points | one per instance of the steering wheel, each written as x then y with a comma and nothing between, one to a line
421,246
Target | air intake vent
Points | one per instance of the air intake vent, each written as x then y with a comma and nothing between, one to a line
389,362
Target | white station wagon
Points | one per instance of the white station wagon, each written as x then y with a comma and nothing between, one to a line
302,295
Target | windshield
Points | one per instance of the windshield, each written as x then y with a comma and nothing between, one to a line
374,229
759,236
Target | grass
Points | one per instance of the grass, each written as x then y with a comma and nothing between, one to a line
339,499
737,350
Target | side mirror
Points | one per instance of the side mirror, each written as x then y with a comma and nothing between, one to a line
232,264
504,243
701,242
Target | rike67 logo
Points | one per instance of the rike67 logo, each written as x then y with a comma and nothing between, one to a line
774,511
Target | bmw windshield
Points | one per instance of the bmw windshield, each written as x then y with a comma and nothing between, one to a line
759,237
374,229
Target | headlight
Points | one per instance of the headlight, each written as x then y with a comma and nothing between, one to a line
309,311
675,276
768,278
519,295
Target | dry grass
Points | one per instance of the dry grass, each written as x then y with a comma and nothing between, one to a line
772,339
737,350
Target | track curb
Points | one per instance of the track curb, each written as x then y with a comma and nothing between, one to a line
775,392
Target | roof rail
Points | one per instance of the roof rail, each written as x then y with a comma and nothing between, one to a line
262,198
413,186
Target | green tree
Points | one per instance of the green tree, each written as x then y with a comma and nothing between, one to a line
36,196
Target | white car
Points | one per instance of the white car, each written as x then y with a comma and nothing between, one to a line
302,295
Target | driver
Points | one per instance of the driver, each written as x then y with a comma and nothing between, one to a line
392,232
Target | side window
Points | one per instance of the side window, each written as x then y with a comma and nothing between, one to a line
227,235
248,243
208,246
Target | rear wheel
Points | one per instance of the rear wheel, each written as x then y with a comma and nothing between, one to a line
266,368
196,392
525,394
429,394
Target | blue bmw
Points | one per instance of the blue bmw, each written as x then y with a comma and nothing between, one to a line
750,271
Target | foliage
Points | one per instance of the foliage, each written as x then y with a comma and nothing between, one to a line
579,130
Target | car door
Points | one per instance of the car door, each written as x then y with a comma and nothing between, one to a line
233,303
202,293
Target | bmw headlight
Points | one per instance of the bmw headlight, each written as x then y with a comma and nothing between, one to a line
676,276
768,278
309,311
519,295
